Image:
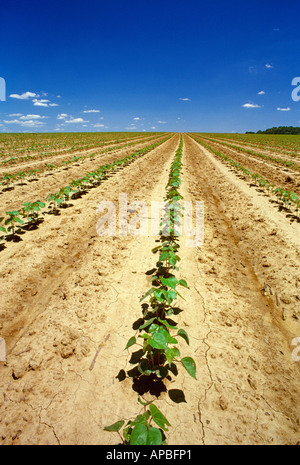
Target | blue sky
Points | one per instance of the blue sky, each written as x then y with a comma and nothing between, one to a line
160,65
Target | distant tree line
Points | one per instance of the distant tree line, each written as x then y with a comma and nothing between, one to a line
279,130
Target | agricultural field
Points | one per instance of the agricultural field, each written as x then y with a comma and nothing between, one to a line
152,338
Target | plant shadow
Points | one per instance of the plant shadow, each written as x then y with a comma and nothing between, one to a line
33,225
13,237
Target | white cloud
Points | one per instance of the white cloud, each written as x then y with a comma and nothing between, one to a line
41,102
98,125
283,109
262,92
184,98
131,127
91,111
137,118
153,127
76,121
32,124
15,114
268,66
71,119
29,117
29,123
162,122
251,105
24,96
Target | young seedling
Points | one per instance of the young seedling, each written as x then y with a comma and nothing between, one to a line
12,220
160,349
31,210
140,431
55,200
160,342
2,230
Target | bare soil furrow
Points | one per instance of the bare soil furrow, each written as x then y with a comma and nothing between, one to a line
250,381
70,301
51,182
68,312
59,157
282,177
256,148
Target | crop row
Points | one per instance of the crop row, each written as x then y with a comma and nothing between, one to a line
157,334
43,156
29,213
9,178
287,144
277,160
70,142
289,198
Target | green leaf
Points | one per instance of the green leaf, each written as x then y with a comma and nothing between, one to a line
164,256
170,282
170,353
189,365
159,295
139,435
164,322
115,427
171,295
159,418
143,436
154,437
158,342
141,418
130,343
160,337
156,249
184,335
147,323
147,293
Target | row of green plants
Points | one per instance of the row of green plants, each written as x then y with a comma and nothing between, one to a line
157,335
288,198
45,143
277,160
30,212
9,178
57,149
286,144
